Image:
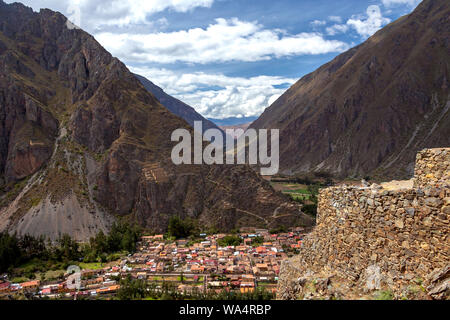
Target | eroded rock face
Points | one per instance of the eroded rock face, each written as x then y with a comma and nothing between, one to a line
65,217
28,132
96,128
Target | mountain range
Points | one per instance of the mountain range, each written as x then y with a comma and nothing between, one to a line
233,121
83,143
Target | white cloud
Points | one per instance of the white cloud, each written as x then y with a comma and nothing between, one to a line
318,23
231,96
336,19
225,40
337,28
371,24
96,14
391,3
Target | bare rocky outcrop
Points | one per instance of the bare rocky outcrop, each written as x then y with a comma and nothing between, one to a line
371,240
439,283
67,216
27,133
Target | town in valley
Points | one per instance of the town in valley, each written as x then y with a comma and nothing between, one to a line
203,265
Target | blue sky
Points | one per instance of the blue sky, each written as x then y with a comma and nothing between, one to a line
228,58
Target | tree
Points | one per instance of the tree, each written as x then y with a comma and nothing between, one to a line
68,248
132,289
10,252
179,228
230,241
257,241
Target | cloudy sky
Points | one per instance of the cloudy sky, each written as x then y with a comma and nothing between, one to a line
228,58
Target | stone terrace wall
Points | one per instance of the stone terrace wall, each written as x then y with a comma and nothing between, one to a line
371,238
432,167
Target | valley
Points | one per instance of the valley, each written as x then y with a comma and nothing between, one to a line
107,190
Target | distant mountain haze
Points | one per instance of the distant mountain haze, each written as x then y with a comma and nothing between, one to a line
233,121
372,108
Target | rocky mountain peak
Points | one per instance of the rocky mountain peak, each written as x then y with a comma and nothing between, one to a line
368,112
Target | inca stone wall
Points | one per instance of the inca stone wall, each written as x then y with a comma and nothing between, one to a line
369,240
432,168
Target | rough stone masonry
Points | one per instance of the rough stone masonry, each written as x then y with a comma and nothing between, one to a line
372,242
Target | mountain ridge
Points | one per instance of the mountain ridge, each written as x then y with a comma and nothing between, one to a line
175,105
352,116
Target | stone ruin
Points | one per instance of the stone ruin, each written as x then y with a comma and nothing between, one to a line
374,242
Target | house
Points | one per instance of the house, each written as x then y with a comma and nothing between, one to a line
182,243
95,281
210,262
46,291
106,290
247,289
276,269
205,244
160,267
262,267
15,287
30,285
52,287
215,284
4,286
88,273
141,275
197,269
261,250
247,284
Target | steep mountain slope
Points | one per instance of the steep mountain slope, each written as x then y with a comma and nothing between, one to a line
369,110
82,142
176,106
